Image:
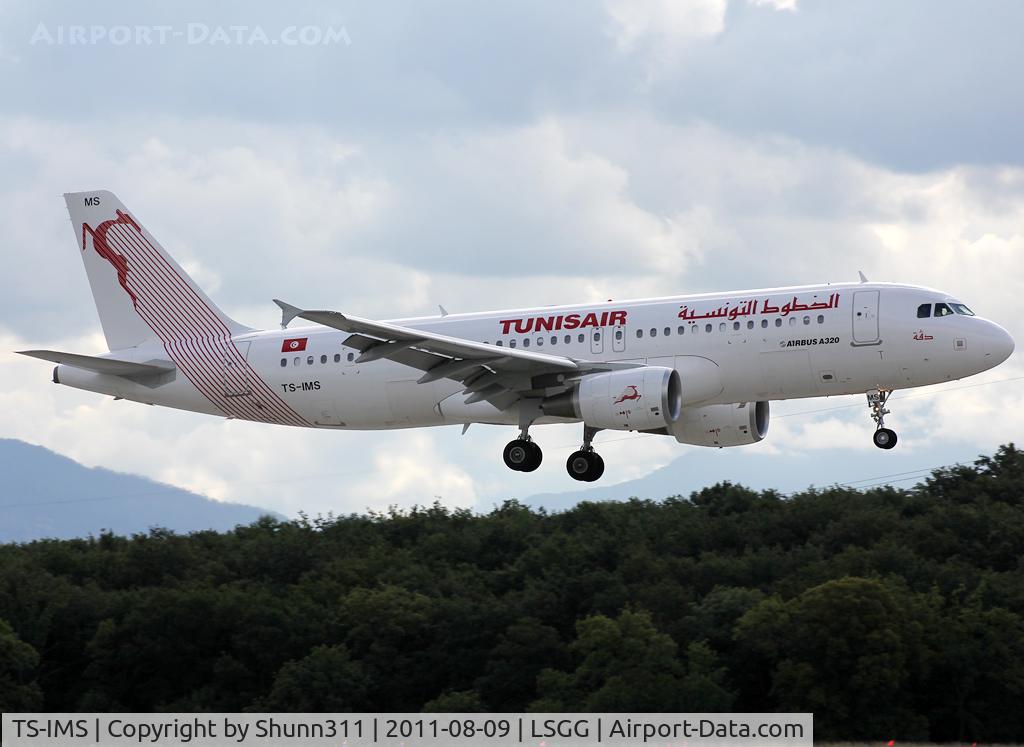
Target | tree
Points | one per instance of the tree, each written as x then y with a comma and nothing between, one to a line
326,680
622,664
18,663
845,650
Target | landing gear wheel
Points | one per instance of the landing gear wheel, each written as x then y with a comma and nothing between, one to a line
884,438
522,455
585,466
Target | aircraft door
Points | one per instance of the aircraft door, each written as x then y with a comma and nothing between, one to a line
865,317
236,373
596,342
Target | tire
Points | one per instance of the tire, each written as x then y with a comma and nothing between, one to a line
884,438
516,454
536,456
585,466
522,455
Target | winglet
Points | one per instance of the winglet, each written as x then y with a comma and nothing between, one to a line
863,279
288,312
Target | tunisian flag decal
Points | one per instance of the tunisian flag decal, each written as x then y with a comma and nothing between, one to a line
294,346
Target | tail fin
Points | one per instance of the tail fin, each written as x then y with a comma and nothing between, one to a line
141,293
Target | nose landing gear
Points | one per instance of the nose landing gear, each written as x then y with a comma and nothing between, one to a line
884,438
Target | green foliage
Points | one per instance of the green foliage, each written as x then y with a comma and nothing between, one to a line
889,613
327,680
18,662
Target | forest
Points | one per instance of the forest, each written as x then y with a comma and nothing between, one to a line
891,613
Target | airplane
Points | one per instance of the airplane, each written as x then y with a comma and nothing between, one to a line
698,368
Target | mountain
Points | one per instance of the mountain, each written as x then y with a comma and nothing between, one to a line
761,469
45,494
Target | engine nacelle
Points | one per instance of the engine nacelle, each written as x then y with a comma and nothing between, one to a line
722,425
635,399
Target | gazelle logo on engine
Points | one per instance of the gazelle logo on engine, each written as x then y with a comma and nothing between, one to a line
628,394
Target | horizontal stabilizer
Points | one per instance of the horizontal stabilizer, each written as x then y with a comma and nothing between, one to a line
111,366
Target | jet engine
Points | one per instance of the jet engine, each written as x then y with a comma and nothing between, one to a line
722,425
634,399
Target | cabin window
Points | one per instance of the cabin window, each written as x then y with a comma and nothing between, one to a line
554,339
500,344
526,342
540,341
581,337
750,324
821,318
942,309
568,339
721,327
960,308
597,336
778,322
351,357
511,343
668,331
323,359
639,333
681,329
284,362
618,334
792,321
654,332
707,327
764,323
735,325
297,360
807,320
337,357
924,311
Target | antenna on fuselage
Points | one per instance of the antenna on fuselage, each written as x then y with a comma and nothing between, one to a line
863,279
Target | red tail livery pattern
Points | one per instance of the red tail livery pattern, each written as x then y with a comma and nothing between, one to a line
192,333
102,247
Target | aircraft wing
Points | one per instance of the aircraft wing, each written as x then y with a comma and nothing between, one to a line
499,375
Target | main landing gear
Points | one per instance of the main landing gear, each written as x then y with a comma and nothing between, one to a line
524,455
884,438
586,464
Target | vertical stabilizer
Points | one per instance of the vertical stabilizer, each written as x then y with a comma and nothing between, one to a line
141,293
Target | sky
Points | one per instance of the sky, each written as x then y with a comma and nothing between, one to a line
383,158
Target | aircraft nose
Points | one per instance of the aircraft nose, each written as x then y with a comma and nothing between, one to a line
998,344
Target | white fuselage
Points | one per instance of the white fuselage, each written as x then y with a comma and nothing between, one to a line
779,343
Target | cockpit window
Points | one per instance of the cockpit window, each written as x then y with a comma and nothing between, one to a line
960,308
942,309
924,311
